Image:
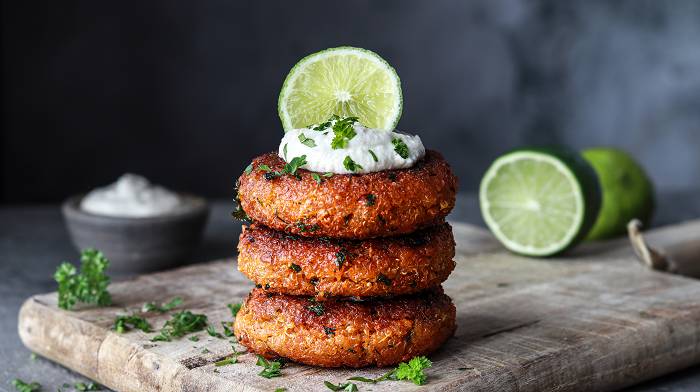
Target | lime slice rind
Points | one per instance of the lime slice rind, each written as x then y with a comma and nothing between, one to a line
537,203
346,81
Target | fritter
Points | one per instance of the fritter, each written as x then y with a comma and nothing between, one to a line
339,333
351,206
324,267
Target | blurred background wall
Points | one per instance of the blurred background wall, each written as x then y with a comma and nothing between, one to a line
185,92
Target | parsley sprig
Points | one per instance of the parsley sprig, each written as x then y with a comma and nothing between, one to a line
234,308
23,386
343,132
289,169
162,308
351,165
181,324
87,286
347,387
126,323
412,371
270,368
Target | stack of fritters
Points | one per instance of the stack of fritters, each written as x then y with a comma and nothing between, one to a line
348,267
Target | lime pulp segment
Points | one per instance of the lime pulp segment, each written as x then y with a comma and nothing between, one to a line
345,81
532,202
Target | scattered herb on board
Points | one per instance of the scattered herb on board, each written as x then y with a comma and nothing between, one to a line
294,267
206,351
88,286
343,132
227,329
374,156
349,164
126,323
400,147
230,360
166,307
307,141
370,200
212,332
412,371
280,389
32,357
234,308
91,386
180,324
270,368
194,338
23,386
347,387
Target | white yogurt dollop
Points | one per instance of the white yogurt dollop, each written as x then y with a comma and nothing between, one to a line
372,149
131,196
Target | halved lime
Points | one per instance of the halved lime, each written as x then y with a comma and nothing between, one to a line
539,202
345,81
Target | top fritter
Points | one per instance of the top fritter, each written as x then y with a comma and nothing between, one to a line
385,203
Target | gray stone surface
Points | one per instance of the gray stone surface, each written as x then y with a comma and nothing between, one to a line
33,240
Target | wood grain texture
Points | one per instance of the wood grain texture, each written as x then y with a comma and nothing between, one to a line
593,321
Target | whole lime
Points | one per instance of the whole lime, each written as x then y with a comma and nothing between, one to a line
627,192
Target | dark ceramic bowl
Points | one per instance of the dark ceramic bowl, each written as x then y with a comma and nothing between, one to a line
135,245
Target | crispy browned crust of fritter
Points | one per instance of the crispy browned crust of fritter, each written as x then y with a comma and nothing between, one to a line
353,334
353,206
323,267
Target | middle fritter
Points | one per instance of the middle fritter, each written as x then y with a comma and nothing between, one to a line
323,267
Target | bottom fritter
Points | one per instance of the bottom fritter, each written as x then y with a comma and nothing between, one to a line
338,333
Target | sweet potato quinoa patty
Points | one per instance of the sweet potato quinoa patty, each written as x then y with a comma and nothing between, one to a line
345,333
324,267
353,206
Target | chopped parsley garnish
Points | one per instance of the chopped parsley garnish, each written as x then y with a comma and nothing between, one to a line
206,351
316,178
294,267
400,147
328,175
234,308
227,329
23,386
213,333
91,386
166,307
347,387
230,360
280,389
329,330
284,151
317,308
238,213
289,168
374,156
343,132
340,257
307,141
194,338
270,368
370,200
88,286
264,168
249,168
351,165
411,371
125,323
323,126
181,324
303,227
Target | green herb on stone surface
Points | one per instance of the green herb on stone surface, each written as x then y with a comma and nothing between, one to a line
88,286
126,323
347,387
166,307
412,371
194,338
212,332
180,324
227,329
400,147
22,386
91,386
234,308
270,368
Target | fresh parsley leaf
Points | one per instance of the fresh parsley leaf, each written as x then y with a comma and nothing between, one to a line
270,368
343,132
227,330
22,386
294,267
180,324
238,213
127,322
413,370
264,168
328,175
280,389
284,151
317,178
249,168
212,332
351,165
206,351
293,165
87,286
347,387
363,379
400,147
166,307
91,386
234,308
307,141
374,156
194,338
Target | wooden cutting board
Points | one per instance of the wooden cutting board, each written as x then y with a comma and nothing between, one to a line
593,321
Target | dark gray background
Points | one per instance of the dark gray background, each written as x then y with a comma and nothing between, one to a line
186,92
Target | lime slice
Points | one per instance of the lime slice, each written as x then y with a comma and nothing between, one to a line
539,202
627,192
345,81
